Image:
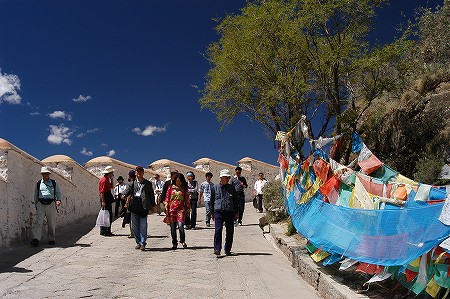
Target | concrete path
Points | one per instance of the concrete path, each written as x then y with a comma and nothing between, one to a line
84,264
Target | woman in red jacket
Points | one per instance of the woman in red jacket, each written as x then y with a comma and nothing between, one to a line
177,204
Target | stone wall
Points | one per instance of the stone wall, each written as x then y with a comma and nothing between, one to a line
20,171
17,211
251,169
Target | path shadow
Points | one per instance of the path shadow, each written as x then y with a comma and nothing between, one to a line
250,253
242,253
163,249
179,248
157,237
66,237
250,224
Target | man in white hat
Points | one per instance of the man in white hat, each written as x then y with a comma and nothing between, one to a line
47,198
104,188
225,208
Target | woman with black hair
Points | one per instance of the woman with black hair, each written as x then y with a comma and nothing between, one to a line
177,205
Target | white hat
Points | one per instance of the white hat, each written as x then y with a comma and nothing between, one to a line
224,172
108,169
45,169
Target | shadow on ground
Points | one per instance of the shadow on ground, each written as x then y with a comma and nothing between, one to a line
65,237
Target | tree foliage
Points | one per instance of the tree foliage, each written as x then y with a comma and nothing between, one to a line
278,60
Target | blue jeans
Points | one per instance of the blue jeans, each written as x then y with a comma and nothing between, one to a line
208,212
139,227
219,218
173,232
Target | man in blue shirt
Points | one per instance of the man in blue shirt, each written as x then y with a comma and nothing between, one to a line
47,199
224,204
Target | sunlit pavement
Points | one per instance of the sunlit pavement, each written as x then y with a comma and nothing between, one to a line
84,264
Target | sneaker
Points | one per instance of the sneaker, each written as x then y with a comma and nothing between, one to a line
174,247
208,224
34,242
228,253
184,245
240,223
217,252
130,236
138,246
51,242
142,247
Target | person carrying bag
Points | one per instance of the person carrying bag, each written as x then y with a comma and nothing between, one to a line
140,203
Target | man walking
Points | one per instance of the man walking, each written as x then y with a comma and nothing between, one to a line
104,188
240,183
205,193
157,185
258,190
224,204
118,189
141,189
47,198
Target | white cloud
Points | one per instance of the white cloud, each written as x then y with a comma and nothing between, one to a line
104,144
59,134
149,130
82,99
85,152
94,130
60,114
34,113
9,87
111,153
81,135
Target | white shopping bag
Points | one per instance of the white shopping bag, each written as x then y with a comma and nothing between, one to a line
103,218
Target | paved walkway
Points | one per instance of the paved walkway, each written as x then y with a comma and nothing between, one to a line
84,264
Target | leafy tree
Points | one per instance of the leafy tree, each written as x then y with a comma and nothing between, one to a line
278,60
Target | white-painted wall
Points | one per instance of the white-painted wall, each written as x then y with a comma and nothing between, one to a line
17,212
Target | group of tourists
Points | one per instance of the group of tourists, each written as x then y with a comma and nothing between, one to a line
136,199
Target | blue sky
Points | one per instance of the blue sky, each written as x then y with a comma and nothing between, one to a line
120,78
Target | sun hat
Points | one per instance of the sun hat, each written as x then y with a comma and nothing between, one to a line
120,178
108,169
190,173
224,172
45,169
132,173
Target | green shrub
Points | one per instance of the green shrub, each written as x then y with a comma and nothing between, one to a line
290,229
428,170
273,202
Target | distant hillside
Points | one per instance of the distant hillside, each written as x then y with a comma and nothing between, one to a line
413,130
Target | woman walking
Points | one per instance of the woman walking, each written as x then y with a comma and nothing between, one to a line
177,205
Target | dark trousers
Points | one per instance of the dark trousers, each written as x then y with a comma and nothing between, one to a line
173,232
241,203
260,202
219,218
193,213
107,229
119,203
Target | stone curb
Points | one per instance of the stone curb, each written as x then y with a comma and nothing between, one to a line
325,285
